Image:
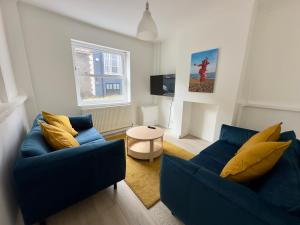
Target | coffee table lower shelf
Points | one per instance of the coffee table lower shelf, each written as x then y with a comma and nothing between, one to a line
142,149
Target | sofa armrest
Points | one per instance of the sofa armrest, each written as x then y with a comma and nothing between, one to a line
48,183
195,194
81,122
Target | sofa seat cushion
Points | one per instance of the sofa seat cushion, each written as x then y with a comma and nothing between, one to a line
215,156
88,135
281,186
34,144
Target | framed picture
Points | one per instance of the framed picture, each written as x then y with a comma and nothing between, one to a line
203,71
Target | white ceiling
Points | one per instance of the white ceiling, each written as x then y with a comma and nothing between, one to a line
122,16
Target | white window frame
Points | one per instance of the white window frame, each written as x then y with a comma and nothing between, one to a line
126,85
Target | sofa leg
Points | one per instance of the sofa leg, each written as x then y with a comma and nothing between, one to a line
43,222
115,186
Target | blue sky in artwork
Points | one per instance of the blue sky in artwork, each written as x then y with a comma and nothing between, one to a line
197,58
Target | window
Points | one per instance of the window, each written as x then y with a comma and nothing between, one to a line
112,64
102,74
112,89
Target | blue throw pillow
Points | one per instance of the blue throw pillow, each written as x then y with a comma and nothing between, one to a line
281,186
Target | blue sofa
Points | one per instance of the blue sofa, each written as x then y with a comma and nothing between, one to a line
197,195
48,181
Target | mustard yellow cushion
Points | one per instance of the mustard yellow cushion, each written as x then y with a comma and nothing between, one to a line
60,121
270,134
254,161
57,138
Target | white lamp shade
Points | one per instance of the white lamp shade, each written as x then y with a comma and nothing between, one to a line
147,29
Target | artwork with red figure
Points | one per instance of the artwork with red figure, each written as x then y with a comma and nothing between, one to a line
203,71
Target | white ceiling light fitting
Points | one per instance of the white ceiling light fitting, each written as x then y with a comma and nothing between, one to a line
147,29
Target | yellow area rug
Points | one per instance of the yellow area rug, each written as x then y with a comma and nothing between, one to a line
143,177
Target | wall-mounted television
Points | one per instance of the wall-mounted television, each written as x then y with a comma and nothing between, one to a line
162,85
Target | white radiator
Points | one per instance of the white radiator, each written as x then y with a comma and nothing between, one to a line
111,118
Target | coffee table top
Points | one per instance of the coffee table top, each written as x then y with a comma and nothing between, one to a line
145,133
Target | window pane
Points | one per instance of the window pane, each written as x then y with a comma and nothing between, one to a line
89,61
106,57
83,63
112,64
114,69
113,89
97,88
114,60
87,87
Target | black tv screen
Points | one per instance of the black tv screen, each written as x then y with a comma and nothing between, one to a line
162,85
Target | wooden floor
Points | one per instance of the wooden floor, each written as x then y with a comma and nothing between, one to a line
121,206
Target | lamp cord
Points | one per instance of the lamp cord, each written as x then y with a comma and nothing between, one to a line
170,111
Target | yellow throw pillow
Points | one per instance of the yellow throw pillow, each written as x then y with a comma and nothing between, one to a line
60,121
57,138
254,161
270,134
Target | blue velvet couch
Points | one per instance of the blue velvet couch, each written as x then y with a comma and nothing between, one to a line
197,195
48,181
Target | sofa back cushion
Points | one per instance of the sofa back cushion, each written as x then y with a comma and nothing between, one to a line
34,144
82,122
281,186
235,135
38,118
215,156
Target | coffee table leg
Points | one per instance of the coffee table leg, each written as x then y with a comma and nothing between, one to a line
151,150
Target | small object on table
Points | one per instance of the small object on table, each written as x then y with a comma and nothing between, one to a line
146,143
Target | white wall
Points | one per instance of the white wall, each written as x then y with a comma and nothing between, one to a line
274,61
165,63
273,67
13,126
12,131
18,55
6,70
223,25
47,40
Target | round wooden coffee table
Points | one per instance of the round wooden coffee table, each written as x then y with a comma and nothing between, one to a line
146,143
